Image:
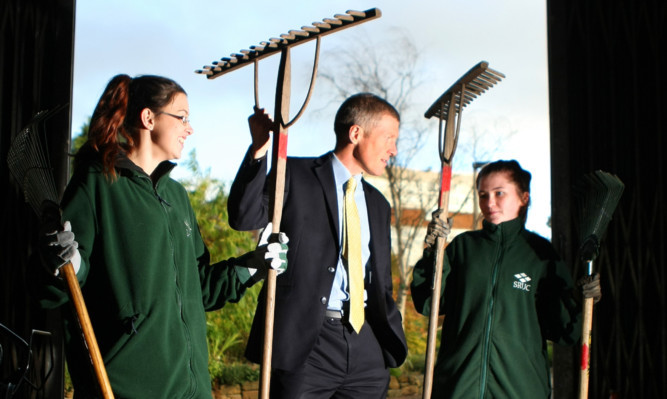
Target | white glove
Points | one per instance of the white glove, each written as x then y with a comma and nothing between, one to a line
62,249
273,255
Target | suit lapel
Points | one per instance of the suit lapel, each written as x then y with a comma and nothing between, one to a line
324,172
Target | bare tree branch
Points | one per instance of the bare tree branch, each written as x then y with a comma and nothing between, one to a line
391,70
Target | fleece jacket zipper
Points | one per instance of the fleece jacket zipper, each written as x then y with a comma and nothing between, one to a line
165,206
489,318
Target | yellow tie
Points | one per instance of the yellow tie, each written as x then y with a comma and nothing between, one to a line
352,252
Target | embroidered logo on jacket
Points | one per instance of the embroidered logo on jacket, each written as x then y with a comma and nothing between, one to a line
521,282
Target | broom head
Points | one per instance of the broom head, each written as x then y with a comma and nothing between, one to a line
596,197
30,166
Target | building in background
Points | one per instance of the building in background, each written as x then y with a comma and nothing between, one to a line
419,198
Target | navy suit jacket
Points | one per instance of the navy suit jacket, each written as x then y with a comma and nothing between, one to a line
310,220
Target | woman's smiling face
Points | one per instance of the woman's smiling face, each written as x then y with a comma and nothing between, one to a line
170,132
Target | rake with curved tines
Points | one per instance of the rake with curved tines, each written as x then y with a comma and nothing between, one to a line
449,108
282,45
32,171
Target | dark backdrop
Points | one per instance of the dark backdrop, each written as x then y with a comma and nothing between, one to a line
606,100
36,44
607,88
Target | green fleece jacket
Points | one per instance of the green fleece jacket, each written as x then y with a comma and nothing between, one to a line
146,281
504,293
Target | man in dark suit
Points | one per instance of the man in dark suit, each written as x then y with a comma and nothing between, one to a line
317,351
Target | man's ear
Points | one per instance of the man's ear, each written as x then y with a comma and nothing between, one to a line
355,133
147,118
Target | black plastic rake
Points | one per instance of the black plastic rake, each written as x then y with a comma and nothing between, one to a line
32,171
596,196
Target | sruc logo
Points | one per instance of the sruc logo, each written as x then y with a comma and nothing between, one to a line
522,282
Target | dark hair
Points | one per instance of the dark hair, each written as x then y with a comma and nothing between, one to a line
517,175
115,121
363,109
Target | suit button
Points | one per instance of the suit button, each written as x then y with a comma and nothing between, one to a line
331,269
323,300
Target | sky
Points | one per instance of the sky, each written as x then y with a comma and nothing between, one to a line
174,38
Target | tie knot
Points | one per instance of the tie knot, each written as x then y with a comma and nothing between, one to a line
351,186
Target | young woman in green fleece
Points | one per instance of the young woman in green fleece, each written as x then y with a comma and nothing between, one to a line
131,233
504,293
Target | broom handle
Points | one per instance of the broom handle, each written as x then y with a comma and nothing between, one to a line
586,337
87,329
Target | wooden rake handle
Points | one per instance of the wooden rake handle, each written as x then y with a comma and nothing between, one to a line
447,140
76,297
265,371
437,283
586,339
449,107
277,180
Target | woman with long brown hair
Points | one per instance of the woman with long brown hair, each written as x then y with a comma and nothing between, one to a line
131,233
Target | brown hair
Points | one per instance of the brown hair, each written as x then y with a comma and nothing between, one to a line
363,109
114,124
516,174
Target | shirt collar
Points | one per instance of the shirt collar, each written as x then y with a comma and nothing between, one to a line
341,174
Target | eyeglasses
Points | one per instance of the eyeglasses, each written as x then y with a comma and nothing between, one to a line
183,118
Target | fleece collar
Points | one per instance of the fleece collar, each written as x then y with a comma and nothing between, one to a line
505,230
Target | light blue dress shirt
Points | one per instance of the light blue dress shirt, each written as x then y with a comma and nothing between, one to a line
339,290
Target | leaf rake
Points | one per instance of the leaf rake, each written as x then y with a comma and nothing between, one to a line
596,196
448,108
33,173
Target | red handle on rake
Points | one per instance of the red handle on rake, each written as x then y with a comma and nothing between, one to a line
586,339
447,146
279,161
597,195
437,283
450,104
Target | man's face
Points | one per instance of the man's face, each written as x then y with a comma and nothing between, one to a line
376,145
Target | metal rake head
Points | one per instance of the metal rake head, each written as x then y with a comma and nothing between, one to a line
451,103
473,83
291,38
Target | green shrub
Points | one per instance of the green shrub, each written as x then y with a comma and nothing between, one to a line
233,373
227,328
